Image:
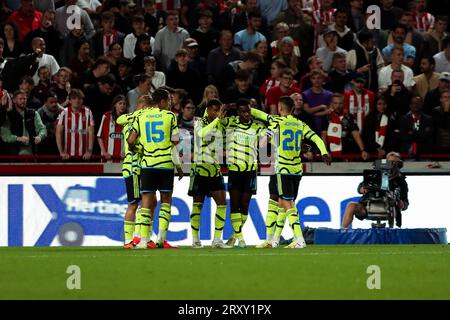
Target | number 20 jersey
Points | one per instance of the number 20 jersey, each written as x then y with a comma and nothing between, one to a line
288,134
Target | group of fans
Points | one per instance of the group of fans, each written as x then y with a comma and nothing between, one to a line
66,73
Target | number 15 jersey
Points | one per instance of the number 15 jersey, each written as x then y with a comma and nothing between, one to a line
157,129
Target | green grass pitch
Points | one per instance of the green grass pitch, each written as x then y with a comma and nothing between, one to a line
317,272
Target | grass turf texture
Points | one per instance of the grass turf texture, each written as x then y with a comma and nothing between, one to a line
317,272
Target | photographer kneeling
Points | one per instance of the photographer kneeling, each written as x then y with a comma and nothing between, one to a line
396,181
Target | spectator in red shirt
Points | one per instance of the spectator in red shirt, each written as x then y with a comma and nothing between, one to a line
75,128
286,88
26,18
110,136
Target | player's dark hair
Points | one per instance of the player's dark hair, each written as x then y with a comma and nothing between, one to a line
213,102
160,95
287,102
242,102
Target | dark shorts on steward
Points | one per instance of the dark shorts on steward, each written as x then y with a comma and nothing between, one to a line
132,185
154,179
288,186
203,186
242,181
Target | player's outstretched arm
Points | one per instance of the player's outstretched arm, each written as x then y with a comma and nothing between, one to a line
205,130
123,119
260,115
311,135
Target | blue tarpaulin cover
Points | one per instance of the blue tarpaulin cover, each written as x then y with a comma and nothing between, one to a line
380,236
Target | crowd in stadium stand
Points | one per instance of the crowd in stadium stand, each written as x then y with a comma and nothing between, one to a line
67,74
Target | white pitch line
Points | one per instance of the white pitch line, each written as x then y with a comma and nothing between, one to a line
301,253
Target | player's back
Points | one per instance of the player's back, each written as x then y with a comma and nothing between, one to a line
155,128
242,140
208,149
289,134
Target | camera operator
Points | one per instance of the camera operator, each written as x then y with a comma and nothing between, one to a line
396,180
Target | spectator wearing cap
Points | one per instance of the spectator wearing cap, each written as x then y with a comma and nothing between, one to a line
206,37
107,35
219,58
155,19
129,44
428,79
432,99
443,58
82,61
326,52
196,62
26,18
300,26
158,78
366,58
169,40
282,31
143,86
63,15
242,88
182,76
247,38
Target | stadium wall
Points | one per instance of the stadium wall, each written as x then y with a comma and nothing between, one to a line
88,210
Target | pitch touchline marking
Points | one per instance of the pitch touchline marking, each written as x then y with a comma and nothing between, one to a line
237,254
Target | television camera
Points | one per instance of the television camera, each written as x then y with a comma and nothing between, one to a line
382,200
